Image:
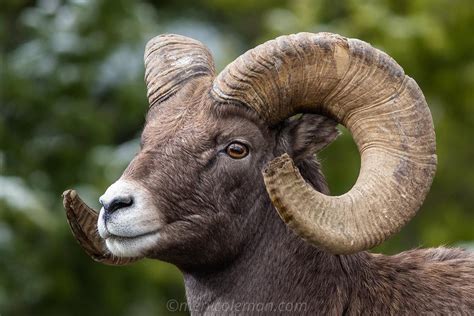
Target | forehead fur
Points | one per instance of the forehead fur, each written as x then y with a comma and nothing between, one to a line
184,116
192,115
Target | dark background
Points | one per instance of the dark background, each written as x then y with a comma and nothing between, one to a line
72,104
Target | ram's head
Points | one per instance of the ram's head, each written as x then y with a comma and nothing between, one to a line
217,149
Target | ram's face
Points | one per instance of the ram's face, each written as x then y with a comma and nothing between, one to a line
193,190
191,186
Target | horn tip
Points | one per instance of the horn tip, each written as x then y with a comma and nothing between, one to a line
68,196
69,192
280,162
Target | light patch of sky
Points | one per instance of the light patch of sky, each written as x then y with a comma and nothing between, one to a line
281,21
219,44
48,6
113,159
124,65
17,195
31,59
80,2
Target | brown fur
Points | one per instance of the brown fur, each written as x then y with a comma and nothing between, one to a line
232,247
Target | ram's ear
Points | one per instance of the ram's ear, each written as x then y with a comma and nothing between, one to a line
304,135
171,61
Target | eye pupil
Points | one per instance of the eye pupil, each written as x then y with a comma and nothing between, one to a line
237,150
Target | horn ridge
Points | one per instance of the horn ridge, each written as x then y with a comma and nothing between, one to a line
170,62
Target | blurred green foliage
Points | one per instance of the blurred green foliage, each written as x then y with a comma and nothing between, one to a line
72,103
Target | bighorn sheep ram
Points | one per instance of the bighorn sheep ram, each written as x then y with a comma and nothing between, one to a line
219,154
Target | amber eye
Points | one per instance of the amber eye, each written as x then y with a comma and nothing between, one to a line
237,150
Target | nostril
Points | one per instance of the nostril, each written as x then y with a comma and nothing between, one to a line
118,203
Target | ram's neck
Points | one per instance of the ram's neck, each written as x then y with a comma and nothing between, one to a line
276,271
280,271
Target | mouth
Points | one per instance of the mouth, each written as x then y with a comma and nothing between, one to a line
120,238
132,246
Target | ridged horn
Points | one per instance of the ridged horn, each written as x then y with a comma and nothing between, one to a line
366,91
171,61
83,222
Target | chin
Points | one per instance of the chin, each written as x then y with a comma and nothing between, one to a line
132,246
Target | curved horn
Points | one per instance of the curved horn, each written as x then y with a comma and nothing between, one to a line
366,91
172,60
83,222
